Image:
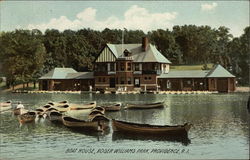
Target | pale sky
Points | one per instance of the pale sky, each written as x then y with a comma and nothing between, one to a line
144,15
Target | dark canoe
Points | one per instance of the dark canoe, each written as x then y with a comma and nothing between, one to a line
145,106
142,137
114,107
27,117
127,127
81,124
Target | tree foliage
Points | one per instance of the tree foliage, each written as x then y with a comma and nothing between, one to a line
26,54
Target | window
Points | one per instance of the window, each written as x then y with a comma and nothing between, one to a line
147,78
122,80
112,67
129,66
129,80
137,68
103,79
122,66
99,79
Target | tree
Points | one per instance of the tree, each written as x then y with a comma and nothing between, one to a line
23,55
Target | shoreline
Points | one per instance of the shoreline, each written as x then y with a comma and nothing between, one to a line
237,90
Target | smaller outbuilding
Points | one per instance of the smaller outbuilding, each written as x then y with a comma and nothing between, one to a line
216,79
63,79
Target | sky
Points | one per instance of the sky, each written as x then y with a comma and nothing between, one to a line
143,15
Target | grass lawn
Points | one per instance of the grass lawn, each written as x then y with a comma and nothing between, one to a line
190,67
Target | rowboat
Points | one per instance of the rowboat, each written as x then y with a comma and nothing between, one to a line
51,109
27,117
81,124
4,106
19,111
99,117
114,107
62,108
93,113
145,106
128,127
55,116
82,106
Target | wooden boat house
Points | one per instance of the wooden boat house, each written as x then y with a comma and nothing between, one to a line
66,79
125,67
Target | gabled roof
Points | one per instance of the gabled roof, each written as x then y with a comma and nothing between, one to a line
58,73
150,55
219,71
185,74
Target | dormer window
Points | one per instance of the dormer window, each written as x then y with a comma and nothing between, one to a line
126,53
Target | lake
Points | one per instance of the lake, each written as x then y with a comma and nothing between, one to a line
220,129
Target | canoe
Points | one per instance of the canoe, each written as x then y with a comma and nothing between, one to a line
128,127
4,106
114,107
19,111
27,117
55,116
82,106
81,124
145,106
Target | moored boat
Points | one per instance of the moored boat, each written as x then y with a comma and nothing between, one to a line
128,127
93,113
82,106
145,106
62,108
55,116
81,124
27,117
99,108
113,107
4,106
99,117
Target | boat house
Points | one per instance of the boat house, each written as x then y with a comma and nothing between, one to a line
141,66
66,79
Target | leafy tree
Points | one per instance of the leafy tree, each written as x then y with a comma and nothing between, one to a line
23,55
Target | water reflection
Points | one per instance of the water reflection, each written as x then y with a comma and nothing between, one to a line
143,137
220,127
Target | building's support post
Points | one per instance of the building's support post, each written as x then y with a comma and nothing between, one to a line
181,84
192,84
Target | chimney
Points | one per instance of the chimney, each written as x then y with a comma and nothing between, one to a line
144,44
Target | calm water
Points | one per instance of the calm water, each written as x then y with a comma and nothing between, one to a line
220,129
